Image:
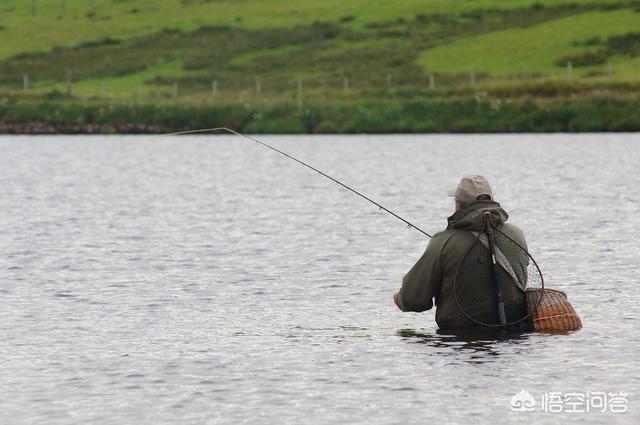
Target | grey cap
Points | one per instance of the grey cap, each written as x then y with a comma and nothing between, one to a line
470,188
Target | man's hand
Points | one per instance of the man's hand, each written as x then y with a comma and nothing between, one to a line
396,300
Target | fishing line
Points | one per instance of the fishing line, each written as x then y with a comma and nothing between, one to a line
381,207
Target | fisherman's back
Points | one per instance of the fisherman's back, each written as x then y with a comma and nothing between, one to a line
456,257
467,270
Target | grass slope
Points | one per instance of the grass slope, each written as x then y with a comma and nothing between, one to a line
536,48
71,22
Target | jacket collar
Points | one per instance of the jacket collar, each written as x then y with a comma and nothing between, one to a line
471,216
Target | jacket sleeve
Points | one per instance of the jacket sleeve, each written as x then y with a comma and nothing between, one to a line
422,283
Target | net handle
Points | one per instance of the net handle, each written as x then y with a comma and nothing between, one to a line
530,310
488,229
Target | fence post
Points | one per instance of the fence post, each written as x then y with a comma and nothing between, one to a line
609,69
432,82
214,88
25,82
300,93
569,70
388,81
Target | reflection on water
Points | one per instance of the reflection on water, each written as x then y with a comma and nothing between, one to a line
484,343
467,336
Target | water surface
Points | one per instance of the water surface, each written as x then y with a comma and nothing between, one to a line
208,280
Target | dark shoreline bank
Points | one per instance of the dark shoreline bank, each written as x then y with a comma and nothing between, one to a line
582,115
40,129
35,128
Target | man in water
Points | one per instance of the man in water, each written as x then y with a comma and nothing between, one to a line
433,276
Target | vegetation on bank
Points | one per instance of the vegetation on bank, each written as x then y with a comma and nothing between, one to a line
418,116
329,66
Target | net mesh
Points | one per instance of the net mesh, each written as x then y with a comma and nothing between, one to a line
518,277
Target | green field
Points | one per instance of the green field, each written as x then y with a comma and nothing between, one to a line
268,55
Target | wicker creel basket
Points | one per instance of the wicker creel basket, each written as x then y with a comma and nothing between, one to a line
553,313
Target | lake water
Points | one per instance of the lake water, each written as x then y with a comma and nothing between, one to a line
205,279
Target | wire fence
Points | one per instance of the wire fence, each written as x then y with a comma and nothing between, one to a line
168,87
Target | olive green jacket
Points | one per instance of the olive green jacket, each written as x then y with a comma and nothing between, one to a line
432,277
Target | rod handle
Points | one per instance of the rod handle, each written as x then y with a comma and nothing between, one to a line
502,313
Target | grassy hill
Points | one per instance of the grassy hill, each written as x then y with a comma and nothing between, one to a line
273,61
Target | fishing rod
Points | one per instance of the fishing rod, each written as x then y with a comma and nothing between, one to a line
381,207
